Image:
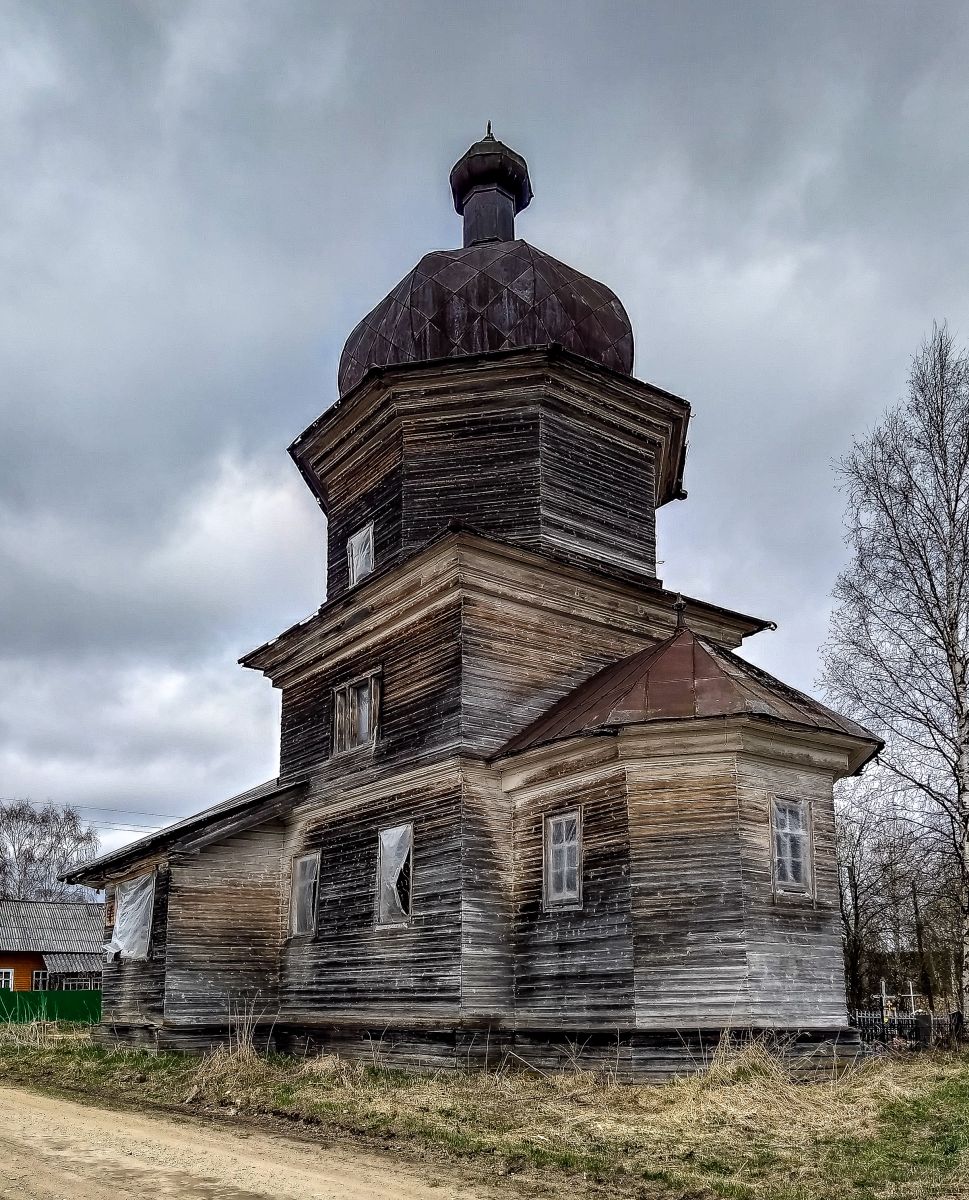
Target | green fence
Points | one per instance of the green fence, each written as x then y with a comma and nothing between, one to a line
22,1007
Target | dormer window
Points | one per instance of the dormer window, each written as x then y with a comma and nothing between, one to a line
360,554
355,711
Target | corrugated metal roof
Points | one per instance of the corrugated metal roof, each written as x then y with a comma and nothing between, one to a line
73,964
683,677
49,926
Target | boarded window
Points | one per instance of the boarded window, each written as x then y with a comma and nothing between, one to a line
563,860
355,711
360,554
395,857
791,845
306,878
134,902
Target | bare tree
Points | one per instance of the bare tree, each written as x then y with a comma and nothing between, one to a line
37,845
898,651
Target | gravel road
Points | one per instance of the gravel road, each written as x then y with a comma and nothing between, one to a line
59,1150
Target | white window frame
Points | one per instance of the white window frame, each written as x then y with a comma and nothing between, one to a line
6,974
293,931
344,713
39,981
568,899
804,887
395,921
366,532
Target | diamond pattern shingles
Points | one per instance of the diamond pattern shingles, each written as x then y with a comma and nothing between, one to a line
491,296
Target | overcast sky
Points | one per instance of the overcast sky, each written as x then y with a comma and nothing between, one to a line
199,200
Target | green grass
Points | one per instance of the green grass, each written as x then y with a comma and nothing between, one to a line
895,1128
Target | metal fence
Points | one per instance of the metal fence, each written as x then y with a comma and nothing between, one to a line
923,1029
20,1008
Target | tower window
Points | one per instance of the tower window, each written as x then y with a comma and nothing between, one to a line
355,712
792,868
563,860
360,554
302,907
395,859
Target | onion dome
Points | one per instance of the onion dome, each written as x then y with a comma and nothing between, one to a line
495,293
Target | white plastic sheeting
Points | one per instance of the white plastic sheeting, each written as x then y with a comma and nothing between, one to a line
360,554
134,902
394,871
306,874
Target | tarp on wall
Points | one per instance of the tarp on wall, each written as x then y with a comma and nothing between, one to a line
134,902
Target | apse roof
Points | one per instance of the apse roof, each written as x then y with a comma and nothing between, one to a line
684,677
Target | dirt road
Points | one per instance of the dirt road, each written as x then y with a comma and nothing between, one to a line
59,1150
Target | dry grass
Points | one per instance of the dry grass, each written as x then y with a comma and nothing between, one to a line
891,1128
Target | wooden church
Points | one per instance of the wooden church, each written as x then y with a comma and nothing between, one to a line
529,799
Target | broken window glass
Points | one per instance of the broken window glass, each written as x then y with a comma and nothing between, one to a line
306,876
134,903
360,554
394,871
355,713
563,871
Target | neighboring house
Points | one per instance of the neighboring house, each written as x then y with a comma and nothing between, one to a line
50,945
528,799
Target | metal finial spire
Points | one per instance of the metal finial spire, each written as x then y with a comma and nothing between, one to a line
489,133
680,609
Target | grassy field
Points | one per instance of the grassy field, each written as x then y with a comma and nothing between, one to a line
890,1128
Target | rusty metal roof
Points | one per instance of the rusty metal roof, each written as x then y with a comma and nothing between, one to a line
51,926
684,677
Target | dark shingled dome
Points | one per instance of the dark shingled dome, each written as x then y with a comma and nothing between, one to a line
495,293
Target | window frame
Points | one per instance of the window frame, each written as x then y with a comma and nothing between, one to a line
337,715
567,903
34,976
352,579
398,922
7,973
787,888
314,924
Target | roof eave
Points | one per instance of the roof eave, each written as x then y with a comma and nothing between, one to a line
95,873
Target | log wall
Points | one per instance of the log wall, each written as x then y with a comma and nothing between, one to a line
133,992
794,941
574,968
351,965
687,899
598,495
224,929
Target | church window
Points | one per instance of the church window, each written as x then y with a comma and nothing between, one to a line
360,554
355,712
302,907
395,860
791,845
563,860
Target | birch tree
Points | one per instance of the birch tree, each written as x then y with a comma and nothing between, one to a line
897,657
37,845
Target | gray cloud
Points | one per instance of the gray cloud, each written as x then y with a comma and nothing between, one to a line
199,200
